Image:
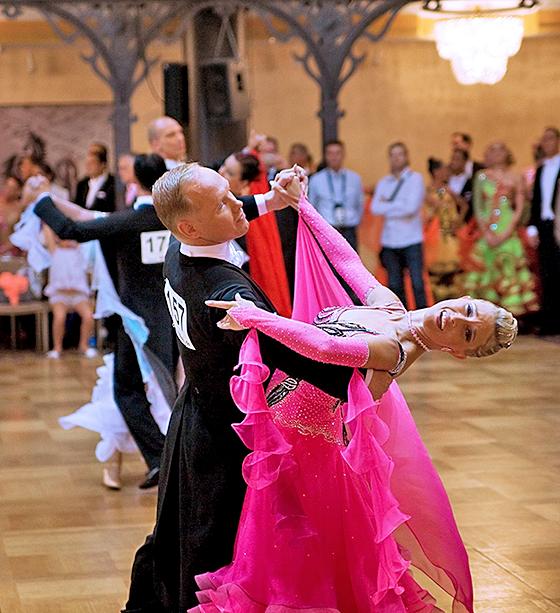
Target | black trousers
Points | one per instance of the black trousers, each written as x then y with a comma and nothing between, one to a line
549,263
130,397
395,261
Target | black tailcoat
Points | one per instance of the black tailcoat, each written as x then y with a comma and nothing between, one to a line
201,487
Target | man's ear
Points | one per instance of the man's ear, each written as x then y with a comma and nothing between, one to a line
186,228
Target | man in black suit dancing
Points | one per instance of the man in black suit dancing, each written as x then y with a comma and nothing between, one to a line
140,241
201,486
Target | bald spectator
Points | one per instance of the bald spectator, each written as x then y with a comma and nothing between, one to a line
167,139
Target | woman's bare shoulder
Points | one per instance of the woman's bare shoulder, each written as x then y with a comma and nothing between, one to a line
381,296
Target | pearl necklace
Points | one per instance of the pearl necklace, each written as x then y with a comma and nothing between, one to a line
415,334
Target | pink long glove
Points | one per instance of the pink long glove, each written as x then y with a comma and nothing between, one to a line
305,339
340,254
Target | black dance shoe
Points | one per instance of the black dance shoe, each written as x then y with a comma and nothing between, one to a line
151,480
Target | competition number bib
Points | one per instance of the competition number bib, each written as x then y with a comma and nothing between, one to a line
178,311
154,245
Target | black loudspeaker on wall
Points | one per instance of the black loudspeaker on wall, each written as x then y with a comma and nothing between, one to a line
224,90
176,92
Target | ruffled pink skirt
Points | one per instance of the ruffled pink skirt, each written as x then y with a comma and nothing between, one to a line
318,530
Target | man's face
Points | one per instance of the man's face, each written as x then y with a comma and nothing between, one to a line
299,156
94,168
398,158
457,142
217,215
170,141
550,143
458,162
334,156
126,169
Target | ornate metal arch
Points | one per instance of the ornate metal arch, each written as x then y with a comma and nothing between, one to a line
120,32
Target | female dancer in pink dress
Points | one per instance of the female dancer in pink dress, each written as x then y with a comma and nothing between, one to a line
342,498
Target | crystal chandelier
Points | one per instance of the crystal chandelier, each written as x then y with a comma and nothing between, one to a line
479,42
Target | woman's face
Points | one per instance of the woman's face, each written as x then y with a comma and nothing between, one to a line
441,174
496,154
463,324
12,189
231,170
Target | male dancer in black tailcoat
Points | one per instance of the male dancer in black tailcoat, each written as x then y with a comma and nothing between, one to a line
140,241
201,487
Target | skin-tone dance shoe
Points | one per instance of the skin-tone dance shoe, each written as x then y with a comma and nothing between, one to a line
112,472
152,479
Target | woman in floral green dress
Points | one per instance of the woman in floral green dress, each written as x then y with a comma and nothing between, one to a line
497,267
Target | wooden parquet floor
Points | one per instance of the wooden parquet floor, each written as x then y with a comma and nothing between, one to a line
492,427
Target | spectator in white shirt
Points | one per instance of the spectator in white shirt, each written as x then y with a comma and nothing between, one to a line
337,193
398,198
544,210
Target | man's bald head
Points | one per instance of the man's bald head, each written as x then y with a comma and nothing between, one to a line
167,139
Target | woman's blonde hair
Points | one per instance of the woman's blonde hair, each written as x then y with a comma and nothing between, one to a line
505,332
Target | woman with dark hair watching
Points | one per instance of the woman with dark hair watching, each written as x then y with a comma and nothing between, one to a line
263,244
497,267
241,169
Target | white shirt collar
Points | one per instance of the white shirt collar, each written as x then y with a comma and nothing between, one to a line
403,174
229,251
148,199
99,179
552,161
94,187
169,164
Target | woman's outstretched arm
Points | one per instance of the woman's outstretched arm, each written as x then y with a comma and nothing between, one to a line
369,351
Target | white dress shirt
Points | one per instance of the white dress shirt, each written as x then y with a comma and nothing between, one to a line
94,185
229,251
551,168
328,188
148,199
401,209
457,182
169,164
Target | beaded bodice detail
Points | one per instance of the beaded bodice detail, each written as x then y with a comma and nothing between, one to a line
297,404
